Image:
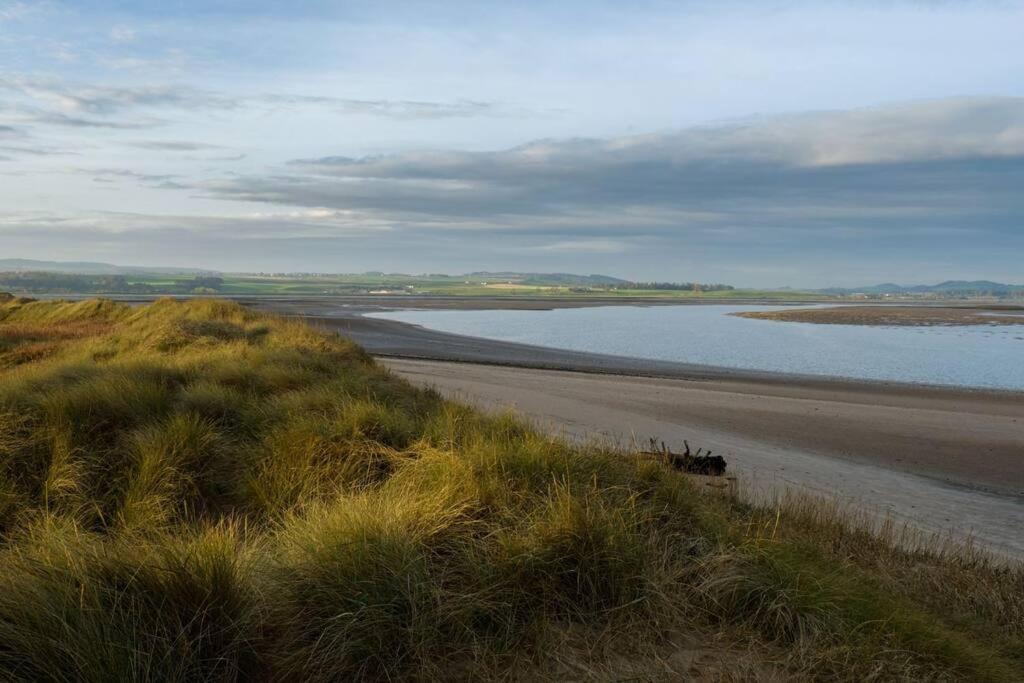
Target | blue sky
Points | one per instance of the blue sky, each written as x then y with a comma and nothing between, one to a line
756,143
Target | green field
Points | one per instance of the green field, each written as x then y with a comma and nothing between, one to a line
358,284
410,285
194,491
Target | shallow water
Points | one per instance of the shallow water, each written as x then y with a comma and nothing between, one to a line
972,356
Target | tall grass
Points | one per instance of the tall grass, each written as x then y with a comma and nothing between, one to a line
195,491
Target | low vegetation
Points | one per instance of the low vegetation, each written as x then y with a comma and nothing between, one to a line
196,491
474,284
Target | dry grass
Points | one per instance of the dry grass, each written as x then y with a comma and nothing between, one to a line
195,491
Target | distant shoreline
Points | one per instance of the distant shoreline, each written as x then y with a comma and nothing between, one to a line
394,339
903,315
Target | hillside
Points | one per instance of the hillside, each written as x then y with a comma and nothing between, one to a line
196,491
948,288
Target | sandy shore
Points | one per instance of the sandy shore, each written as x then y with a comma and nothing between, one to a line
945,459
900,316
942,464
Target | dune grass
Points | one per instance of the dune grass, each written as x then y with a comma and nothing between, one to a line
196,491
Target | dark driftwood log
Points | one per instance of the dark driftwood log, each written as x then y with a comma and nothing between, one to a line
687,461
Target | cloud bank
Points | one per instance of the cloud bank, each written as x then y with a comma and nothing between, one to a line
835,172
467,136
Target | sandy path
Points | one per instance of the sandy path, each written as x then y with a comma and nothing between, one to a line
943,464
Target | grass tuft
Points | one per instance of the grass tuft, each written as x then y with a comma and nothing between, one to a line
193,491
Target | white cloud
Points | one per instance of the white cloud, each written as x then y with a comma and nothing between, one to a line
122,34
594,246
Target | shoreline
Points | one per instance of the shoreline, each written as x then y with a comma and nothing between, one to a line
944,459
943,465
395,339
347,314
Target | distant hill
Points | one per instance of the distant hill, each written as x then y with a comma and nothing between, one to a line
19,265
950,287
549,278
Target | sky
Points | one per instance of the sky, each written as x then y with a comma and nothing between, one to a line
761,144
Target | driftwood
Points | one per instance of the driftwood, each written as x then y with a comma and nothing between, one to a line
700,462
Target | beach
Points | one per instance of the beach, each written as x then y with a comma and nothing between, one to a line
943,459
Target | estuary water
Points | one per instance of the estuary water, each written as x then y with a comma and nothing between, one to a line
984,356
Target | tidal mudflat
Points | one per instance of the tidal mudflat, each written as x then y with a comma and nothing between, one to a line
899,316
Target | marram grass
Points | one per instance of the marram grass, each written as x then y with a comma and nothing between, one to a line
193,491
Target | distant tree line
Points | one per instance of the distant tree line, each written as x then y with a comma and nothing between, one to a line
70,283
677,286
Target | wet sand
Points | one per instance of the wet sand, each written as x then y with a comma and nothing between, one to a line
942,463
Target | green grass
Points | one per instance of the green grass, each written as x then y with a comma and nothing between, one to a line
361,284
193,491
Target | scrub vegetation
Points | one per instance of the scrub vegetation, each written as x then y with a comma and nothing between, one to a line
191,490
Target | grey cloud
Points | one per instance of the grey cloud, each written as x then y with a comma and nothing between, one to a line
228,157
171,185
173,145
39,151
106,100
929,161
155,180
58,119
931,184
942,129
38,116
16,140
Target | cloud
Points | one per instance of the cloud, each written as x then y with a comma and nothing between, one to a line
16,140
939,159
595,246
122,34
37,151
255,226
106,100
109,100
34,115
63,120
155,180
11,11
922,131
227,157
399,109
172,145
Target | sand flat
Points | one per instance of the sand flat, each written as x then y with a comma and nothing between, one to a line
896,315
941,465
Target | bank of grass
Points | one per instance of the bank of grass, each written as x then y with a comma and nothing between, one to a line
195,491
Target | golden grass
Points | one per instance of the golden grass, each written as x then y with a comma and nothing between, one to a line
196,491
